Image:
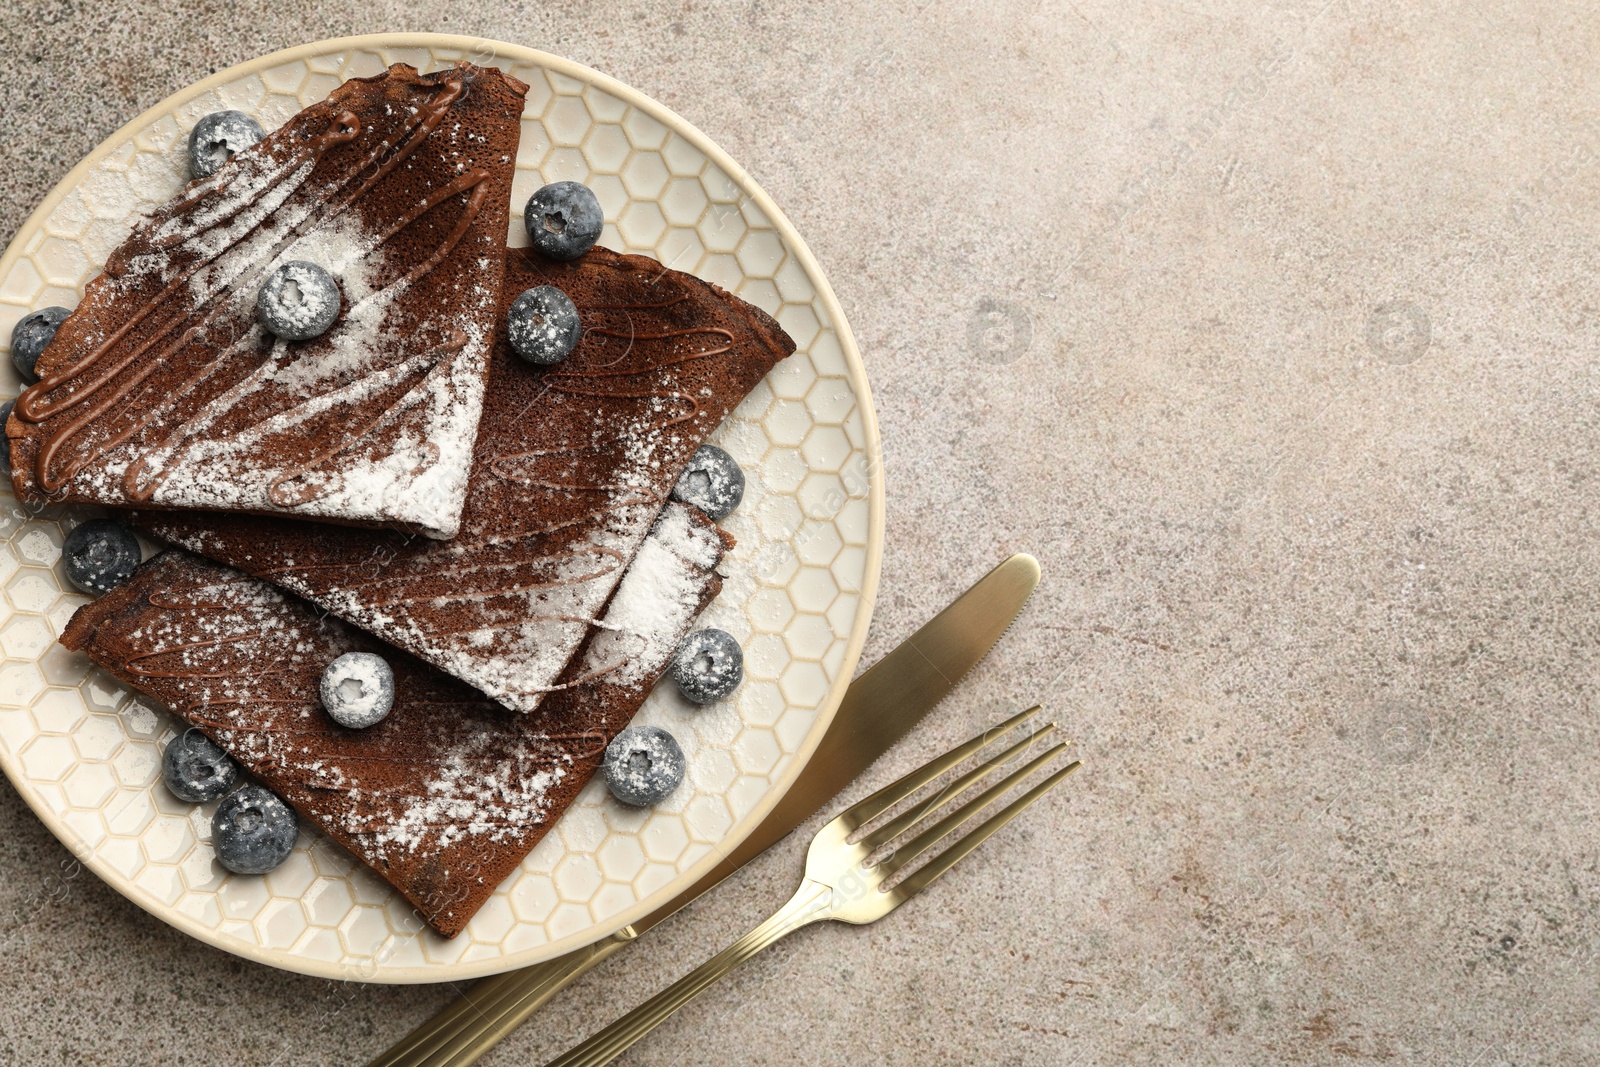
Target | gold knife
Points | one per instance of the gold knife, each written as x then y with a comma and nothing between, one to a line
877,710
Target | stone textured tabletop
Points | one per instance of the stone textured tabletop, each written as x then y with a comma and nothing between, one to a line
1271,330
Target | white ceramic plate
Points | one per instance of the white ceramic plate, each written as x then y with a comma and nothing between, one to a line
84,750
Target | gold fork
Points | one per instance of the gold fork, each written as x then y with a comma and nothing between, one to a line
843,879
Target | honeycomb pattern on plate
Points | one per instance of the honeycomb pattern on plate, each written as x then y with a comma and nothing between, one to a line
85,750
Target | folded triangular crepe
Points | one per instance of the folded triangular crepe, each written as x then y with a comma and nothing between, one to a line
447,795
162,390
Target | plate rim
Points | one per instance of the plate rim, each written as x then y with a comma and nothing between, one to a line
876,510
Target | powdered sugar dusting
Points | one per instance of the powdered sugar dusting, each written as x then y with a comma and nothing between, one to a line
421,477
402,378
243,660
656,600
476,792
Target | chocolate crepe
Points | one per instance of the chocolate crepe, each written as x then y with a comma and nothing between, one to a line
447,795
161,390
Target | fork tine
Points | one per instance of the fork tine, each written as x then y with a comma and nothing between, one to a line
966,813
894,792
919,881
908,818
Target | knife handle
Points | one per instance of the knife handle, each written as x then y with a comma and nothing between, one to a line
477,1020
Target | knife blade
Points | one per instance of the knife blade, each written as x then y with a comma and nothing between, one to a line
878,709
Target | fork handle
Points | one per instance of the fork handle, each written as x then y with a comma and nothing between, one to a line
808,905
476,1021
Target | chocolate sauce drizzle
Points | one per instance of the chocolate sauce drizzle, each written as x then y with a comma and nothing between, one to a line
181,320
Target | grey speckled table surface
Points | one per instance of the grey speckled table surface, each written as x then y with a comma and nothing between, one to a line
1271,330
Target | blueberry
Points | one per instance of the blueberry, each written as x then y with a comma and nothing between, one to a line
708,665
195,769
217,138
253,831
564,220
643,765
543,325
29,337
711,482
100,555
358,689
298,301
